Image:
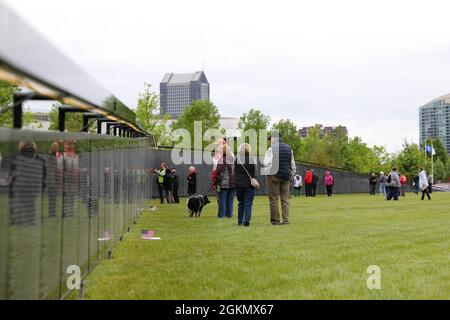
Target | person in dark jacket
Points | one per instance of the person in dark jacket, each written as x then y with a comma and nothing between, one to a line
315,180
244,171
279,166
175,185
416,184
372,183
168,184
192,181
393,183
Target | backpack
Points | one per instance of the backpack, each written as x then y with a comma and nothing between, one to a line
389,179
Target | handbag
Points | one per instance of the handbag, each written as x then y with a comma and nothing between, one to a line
253,181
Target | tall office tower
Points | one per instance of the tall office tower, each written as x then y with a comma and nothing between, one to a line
177,91
434,121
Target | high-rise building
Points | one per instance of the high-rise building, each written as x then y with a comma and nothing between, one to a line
177,91
434,121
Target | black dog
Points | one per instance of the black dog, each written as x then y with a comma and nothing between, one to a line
196,203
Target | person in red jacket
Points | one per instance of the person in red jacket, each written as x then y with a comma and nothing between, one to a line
308,183
403,181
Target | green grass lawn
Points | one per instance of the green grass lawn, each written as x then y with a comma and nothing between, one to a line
323,254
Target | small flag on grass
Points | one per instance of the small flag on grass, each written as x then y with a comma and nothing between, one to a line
148,235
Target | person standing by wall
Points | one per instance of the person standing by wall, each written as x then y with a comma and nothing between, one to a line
192,181
372,183
244,167
382,183
280,167
315,181
168,185
160,174
393,183
175,185
403,181
308,181
423,183
329,183
297,184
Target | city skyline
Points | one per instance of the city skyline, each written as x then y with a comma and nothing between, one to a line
325,62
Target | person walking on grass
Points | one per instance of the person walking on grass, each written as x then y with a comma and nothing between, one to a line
382,183
280,167
393,183
372,184
244,172
403,181
297,184
423,183
223,182
329,182
308,182
315,181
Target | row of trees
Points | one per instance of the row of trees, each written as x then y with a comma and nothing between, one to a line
333,149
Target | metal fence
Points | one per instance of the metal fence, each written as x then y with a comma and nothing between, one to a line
65,199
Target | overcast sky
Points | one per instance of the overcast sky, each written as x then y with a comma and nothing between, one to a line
368,65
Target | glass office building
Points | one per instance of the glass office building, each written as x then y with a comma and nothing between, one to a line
434,121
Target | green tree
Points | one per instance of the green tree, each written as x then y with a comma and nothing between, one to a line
73,120
440,172
199,110
289,133
410,158
254,120
439,148
148,115
448,168
6,101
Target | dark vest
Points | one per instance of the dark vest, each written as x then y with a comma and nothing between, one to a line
282,153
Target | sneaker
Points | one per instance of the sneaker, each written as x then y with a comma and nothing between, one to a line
276,223
285,222
246,224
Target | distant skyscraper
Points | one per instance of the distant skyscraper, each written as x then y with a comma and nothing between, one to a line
434,121
177,91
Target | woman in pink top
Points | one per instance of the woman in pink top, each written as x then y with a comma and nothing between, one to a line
329,182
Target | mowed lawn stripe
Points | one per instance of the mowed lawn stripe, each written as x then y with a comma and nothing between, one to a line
323,253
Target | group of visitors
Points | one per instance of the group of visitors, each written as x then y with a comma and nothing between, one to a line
394,184
311,181
167,180
236,175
